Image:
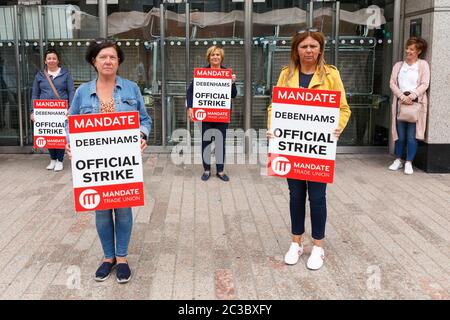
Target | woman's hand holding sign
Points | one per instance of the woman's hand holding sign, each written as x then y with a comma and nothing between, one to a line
337,133
143,145
69,153
191,114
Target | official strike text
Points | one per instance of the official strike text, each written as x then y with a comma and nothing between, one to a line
105,168
303,136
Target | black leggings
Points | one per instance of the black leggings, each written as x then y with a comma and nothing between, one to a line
317,203
216,131
57,154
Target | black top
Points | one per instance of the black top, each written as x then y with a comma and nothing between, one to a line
190,91
305,79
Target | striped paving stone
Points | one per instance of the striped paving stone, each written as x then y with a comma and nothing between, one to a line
387,237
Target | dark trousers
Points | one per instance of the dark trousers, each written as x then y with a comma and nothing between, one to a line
317,204
216,131
57,154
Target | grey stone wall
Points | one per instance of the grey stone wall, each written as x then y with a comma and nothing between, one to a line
435,16
439,112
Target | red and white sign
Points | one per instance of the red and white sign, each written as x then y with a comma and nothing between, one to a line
212,95
106,161
304,145
49,119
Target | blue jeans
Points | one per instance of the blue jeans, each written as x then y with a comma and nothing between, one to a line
56,154
317,204
406,139
121,227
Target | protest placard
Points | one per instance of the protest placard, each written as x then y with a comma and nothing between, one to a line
49,119
302,122
212,95
106,161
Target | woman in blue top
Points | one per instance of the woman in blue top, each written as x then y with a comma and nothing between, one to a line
212,130
63,82
111,93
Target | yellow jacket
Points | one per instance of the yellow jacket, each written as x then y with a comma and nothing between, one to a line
332,81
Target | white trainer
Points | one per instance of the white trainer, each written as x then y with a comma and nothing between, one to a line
397,164
315,260
51,166
408,168
58,166
295,251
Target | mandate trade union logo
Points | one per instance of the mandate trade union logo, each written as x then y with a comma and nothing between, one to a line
200,114
281,166
40,142
89,199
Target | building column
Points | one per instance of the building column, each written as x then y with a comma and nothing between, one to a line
434,153
103,18
248,44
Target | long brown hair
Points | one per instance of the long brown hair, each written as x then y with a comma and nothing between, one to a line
295,58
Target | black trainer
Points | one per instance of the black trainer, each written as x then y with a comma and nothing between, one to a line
123,273
205,176
223,177
104,271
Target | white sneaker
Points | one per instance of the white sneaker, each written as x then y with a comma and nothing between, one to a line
51,166
315,260
58,166
408,168
397,164
295,251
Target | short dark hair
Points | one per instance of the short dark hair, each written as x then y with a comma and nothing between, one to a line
51,50
96,45
419,43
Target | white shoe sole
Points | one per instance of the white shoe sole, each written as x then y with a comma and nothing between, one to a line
290,264
124,280
392,169
293,263
106,278
102,279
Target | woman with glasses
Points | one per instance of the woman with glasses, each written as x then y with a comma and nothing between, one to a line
307,69
53,83
111,93
212,130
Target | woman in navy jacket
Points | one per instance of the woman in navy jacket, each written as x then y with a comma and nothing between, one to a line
214,57
63,83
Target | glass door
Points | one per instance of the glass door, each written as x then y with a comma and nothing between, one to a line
12,106
191,27
358,43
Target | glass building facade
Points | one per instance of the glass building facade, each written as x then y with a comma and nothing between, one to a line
164,40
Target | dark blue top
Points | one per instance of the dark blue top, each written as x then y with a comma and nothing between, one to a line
190,91
63,83
305,79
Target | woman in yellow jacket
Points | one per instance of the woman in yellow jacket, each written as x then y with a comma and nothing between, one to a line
307,69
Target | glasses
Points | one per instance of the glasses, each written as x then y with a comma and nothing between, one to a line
105,40
50,51
308,30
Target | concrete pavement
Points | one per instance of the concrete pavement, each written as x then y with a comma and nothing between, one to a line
387,237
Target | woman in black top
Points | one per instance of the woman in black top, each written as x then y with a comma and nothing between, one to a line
216,130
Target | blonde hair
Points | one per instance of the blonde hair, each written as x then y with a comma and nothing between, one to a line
295,58
210,51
